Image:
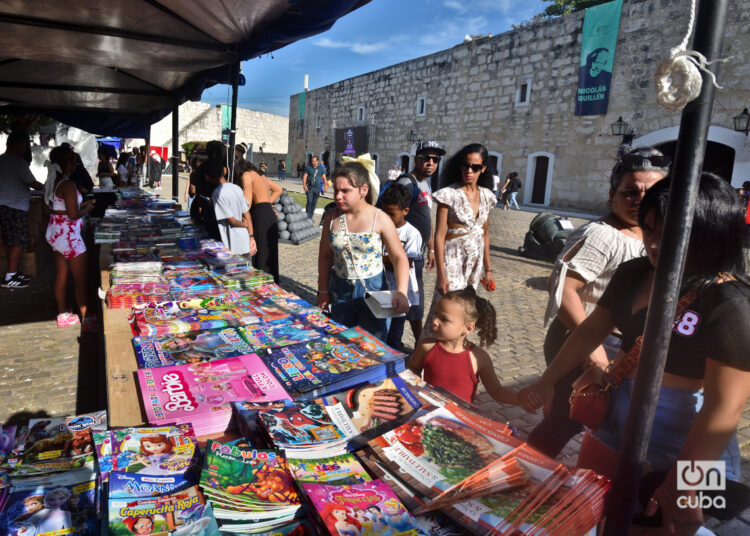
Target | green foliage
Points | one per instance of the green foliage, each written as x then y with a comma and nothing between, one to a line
563,7
29,123
189,146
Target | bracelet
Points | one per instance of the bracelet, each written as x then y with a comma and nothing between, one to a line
488,271
430,251
252,236
322,292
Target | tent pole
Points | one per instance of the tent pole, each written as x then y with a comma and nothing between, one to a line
233,124
691,146
175,151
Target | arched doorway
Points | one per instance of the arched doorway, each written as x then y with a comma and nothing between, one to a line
403,160
727,153
495,162
325,158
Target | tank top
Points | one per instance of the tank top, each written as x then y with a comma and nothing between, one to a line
58,203
450,371
356,255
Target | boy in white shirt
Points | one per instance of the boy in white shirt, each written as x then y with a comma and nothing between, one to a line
395,202
232,213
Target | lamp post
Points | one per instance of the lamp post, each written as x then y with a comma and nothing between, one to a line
742,122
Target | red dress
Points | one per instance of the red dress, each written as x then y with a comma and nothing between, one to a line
450,371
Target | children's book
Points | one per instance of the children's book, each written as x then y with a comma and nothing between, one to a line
301,527
146,460
200,393
245,483
61,503
56,443
281,333
334,363
181,513
103,449
343,469
189,347
365,508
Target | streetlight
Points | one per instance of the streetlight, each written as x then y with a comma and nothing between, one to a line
623,128
411,136
742,122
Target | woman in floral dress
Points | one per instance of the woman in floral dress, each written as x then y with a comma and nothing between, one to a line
462,242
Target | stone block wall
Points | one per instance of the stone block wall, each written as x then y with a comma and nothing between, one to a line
471,90
199,121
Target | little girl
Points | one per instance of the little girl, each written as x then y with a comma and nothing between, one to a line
449,360
350,259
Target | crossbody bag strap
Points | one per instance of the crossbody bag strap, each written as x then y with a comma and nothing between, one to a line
618,371
348,248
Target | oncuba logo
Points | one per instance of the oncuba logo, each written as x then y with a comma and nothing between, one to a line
700,476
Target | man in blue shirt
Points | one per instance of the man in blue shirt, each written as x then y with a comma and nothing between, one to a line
312,179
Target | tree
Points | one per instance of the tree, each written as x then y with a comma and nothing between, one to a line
563,7
28,123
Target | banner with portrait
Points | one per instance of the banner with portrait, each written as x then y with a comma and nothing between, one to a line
226,123
600,27
351,141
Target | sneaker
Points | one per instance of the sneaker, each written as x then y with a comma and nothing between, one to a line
24,277
17,281
67,319
90,324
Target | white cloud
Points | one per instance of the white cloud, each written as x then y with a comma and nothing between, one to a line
455,4
358,48
452,32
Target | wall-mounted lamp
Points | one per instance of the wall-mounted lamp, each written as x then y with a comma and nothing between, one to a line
411,136
742,122
623,128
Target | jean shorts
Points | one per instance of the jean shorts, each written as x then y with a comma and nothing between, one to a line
348,305
675,413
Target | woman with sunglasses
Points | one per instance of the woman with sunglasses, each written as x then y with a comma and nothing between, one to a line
706,381
583,269
462,243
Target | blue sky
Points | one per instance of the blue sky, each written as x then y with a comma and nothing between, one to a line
379,34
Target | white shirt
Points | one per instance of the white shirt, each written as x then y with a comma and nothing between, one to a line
229,202
412,242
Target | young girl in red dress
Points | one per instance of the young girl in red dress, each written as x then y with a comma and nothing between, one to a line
449,360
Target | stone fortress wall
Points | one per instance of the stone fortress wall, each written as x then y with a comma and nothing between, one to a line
472,92
200,121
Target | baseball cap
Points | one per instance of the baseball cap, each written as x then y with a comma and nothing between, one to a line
429,145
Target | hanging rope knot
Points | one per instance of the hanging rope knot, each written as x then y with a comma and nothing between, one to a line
678,79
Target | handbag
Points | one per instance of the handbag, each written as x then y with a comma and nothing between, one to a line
379,302
589,403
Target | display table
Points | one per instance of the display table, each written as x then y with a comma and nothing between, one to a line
123,398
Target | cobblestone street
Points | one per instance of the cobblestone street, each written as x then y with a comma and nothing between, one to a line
64,368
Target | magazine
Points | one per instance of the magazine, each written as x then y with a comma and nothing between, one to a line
56,443
60,503
182,513
245,483
200,393
189,347
368,507
330,364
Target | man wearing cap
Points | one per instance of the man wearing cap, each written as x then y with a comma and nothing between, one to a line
313,179
426,163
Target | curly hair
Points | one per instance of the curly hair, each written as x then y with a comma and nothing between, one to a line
478,310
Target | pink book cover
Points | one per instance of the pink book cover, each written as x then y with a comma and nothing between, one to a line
182,392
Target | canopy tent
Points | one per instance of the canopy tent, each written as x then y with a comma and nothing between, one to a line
116,67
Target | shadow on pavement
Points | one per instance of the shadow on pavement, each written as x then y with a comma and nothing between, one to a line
517,256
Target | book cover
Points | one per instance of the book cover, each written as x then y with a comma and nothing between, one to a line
298,424
369,507
350,356
282,333
244,482
56,443
62,503
187,391
189,347
343,469
184,512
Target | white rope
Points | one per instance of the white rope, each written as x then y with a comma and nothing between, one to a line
678,80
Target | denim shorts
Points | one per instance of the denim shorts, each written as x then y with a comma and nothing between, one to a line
675,413
348,303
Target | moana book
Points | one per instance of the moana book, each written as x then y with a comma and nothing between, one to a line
189,347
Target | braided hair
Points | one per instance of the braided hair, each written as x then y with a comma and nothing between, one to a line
478,310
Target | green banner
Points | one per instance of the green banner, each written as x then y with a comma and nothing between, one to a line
226,122
301,99
600,26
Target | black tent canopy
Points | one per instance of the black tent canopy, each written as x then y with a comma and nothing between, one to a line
116,67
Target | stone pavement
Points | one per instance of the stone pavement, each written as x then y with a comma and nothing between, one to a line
51,370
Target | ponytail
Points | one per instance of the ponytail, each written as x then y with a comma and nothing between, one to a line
478,310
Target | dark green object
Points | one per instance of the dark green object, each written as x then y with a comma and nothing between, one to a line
448,450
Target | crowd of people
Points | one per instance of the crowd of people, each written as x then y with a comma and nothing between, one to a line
382,239
599,291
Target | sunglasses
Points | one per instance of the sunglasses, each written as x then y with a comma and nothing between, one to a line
476,168
429,158
635,160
